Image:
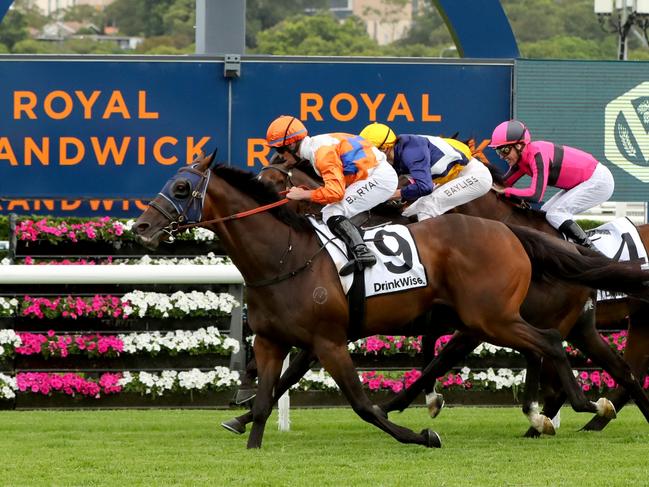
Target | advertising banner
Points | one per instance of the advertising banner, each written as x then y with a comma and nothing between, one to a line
102,136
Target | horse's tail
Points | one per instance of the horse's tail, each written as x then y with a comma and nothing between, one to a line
551,259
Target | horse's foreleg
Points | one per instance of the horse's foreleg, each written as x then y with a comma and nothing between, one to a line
636,354
457,349
269,357
336,360
553,397
540,422
589,341
298,366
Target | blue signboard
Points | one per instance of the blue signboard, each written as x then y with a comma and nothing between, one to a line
423,98
105,129
99,137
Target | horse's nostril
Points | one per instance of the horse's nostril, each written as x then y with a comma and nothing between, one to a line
141,227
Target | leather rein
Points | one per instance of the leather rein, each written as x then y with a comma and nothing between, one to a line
176,226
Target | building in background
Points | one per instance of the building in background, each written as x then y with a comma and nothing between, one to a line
386,21
48,7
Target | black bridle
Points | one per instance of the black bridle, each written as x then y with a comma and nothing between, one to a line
286,172
188,210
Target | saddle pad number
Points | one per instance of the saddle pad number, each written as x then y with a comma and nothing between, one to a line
403,250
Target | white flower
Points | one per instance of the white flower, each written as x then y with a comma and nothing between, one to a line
8,387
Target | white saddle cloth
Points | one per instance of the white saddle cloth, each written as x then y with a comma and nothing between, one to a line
618,240
398,267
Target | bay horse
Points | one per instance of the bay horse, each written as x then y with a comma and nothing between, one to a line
543,308
623,312
479,269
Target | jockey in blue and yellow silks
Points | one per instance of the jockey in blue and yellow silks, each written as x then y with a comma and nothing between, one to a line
443,171
356,176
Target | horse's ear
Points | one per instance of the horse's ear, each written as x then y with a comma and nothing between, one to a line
212,159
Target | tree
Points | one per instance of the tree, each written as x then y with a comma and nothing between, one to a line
14,28
138,17
264,14
317,35
85,14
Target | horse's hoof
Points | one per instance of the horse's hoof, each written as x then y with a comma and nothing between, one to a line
432,438
532,433
598,423
235,426
605,408
378,410
547,428
435,405
244,395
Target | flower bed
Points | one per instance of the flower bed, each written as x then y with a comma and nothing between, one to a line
144,383
73,230
51,344
136,304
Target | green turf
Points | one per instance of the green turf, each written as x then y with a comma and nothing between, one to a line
326,447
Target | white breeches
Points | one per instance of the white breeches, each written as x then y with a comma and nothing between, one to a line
472,182
363,195
567,203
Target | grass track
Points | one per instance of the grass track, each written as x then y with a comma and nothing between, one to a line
326,447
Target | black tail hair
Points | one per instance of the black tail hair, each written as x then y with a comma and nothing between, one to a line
552,258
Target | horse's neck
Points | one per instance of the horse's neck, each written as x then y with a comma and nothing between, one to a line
491,207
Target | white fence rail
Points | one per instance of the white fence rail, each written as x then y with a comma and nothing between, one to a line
119,274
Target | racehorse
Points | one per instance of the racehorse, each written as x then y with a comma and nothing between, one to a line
581,331
627,311
478,270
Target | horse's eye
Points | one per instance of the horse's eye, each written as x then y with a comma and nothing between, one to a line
181,189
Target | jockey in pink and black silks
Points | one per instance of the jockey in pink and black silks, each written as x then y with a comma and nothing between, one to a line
582,180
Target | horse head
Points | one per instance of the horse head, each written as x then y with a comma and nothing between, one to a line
179,202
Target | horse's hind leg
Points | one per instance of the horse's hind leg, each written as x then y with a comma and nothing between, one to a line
458,348
298,366
336,360
522,336
269,364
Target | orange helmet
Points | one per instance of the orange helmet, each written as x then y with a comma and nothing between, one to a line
285,130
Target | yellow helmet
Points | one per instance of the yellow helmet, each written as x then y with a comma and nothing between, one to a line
380,135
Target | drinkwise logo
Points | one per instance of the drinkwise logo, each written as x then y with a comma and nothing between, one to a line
626,128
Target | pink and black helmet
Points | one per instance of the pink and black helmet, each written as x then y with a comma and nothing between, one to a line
510,132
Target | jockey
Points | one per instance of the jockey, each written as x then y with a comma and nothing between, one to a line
356,176
582,180
445,173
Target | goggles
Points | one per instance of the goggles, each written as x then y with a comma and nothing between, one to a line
504,150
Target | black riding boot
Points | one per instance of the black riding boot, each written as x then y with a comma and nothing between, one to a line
573,231
363,257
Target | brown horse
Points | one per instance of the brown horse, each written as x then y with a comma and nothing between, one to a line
476,268
581,331
622,312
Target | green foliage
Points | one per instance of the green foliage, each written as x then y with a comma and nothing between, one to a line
587,224
74,46
13,28
567,47
264,14
85,14
319,34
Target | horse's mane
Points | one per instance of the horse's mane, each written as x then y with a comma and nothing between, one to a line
263,194
303,165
